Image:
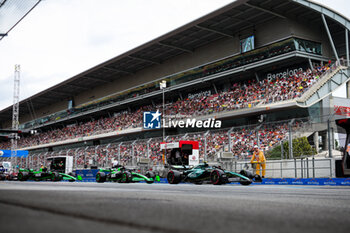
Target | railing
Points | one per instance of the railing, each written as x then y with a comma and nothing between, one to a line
305,167
333,69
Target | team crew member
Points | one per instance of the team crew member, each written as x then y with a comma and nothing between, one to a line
259,159
115,164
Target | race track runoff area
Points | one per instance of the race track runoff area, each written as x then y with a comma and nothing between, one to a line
113,207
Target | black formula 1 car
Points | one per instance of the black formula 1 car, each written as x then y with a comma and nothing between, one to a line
203,173
42,175
124,175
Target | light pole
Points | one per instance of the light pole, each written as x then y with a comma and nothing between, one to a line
162,86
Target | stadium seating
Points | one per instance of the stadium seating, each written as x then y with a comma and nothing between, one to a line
241,95
243,140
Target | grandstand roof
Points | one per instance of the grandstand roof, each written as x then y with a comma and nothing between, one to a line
225,22
12,12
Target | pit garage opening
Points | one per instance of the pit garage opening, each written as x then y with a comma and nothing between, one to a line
63,164
181,153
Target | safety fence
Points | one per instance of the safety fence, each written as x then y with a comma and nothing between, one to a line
304,167
238,140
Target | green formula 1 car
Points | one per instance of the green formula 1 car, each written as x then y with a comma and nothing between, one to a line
124,175
203,173
44,175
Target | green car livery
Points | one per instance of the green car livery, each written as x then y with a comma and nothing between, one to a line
123,175
43,174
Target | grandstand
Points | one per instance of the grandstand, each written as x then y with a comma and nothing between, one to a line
253,64
12,12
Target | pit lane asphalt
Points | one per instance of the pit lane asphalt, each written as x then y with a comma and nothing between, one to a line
112,207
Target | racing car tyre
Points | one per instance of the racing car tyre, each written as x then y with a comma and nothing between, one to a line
150,182
245,182
248,174
56,176
257,178
174,177
100,177
2,177
150,174
22,176
126,177
217,177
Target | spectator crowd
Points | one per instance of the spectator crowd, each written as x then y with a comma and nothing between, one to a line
243,141
241,95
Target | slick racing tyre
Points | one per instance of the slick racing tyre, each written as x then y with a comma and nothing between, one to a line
56,176
2,177
218,177
257,178
100,177
126,177
22,176
174,177
150,174
245,182
248,174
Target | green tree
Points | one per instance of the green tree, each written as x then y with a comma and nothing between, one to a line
301,147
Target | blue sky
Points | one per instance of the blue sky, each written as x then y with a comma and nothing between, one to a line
61,38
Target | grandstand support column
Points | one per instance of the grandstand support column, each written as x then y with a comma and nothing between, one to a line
67,152
290,139
15,115
119,147
85,155
163,116
205,145
347,47
316,143
133,153
148,142
215,89
38,163
310,63
257,135
329,139
229,139
95,157
76,158
330,37
105,162
330,135
45,156
162,86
